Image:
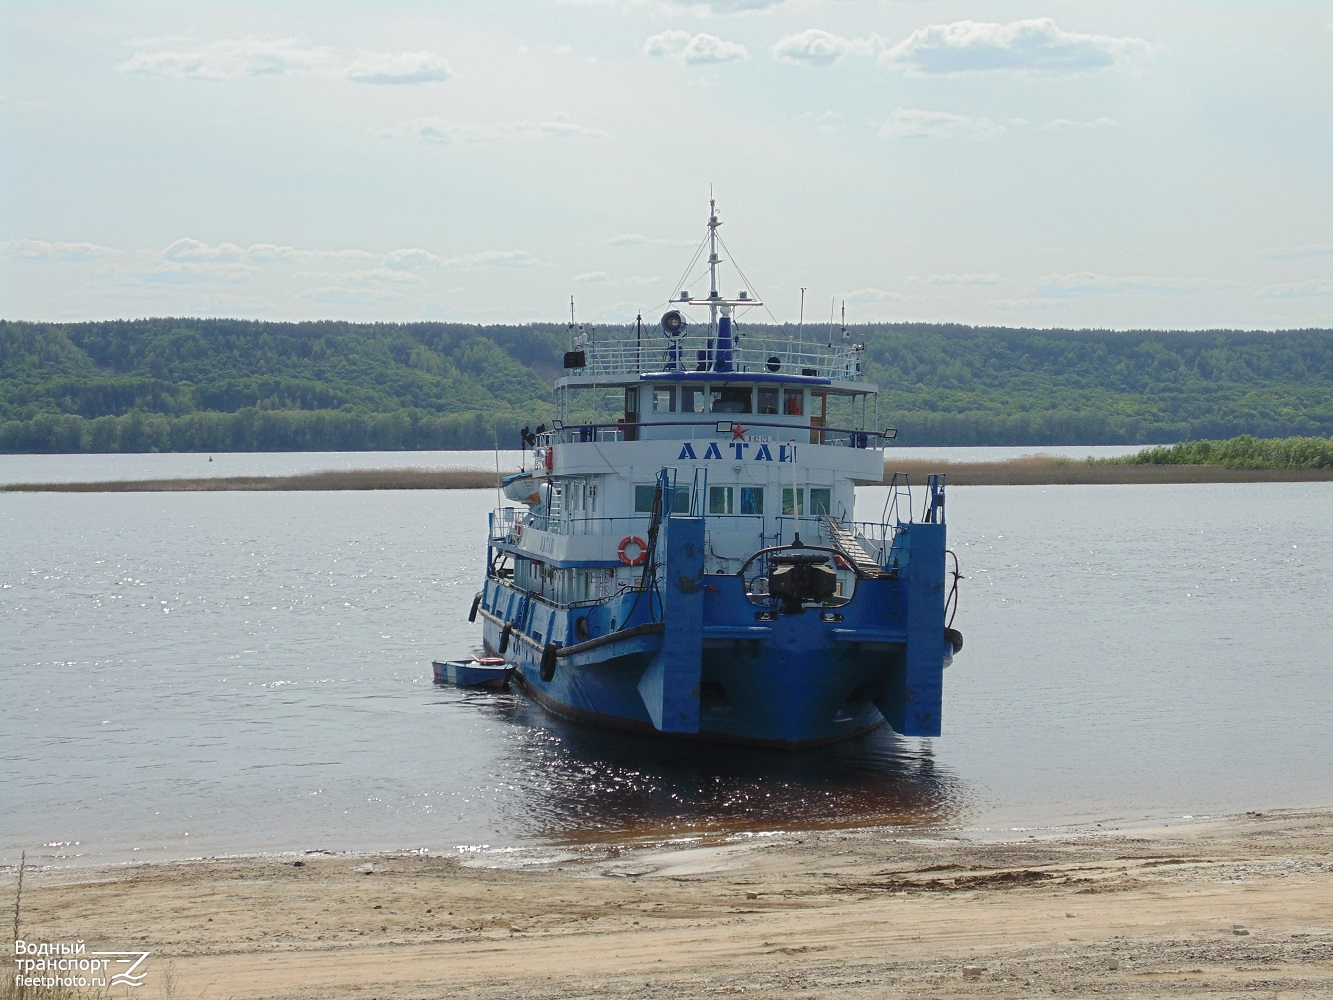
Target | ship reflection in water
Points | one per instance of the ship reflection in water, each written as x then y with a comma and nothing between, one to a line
575,782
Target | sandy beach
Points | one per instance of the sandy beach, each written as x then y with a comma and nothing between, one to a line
1241,906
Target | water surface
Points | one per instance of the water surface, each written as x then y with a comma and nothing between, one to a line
206,673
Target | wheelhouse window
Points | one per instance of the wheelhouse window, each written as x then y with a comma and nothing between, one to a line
643,499
793,501
664,399
792,402
731,399
768,400
752,499
693,399
721,499
819,500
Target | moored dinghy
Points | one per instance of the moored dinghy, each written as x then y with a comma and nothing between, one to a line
487,672
692,564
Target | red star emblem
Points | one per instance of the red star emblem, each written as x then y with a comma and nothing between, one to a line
738,432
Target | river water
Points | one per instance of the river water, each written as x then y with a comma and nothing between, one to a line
193,674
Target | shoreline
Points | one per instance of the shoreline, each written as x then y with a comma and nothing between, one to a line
1036,470
1234,906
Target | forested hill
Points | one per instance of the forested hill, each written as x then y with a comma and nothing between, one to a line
220,385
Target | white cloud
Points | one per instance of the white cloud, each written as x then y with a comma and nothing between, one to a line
1066,123
227,60
403,68
366,276
167,273
815,47
495,258
1298,290
403,260
915,123
872,295
638,239
1036,45
591,276
693,50
702,8
1297,253
188,250
43,250
337,295
437,130
971,278
1086,283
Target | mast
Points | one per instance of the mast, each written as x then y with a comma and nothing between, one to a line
712,261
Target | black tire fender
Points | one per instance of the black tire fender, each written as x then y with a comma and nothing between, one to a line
548,661
476,603
504,637
955,639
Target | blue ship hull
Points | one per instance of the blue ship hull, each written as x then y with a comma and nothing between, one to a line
727,669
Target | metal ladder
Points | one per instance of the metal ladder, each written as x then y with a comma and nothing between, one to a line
850,547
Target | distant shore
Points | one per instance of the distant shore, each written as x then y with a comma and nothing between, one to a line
1238,906
1032,470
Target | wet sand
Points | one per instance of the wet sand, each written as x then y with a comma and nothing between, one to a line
1241,906
1038,470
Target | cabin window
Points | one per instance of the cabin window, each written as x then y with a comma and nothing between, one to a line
793,504
819,500
664,399
693,399
768,400
721,499
752,499
731,399
643,499
792,402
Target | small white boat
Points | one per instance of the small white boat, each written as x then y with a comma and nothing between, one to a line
485,672
521,488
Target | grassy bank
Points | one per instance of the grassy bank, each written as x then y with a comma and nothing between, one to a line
360,479
1242,452
1031,470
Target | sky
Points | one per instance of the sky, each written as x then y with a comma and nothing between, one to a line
1044,163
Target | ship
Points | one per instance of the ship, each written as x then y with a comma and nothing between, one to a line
680,552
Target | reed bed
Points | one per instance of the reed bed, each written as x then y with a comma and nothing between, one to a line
358,479
1030,470
1242,452
1051,470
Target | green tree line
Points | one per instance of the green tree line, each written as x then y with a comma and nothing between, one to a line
220,385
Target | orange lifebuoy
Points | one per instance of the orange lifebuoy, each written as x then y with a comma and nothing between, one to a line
638,557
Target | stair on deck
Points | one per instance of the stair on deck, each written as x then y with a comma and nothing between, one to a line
850,547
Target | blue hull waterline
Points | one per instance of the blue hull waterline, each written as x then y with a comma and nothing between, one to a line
690,565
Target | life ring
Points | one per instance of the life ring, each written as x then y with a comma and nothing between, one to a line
550,458
637,558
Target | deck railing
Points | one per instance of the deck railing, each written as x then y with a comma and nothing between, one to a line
777,432
698,352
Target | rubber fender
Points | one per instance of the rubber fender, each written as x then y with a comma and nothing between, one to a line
476,603
954,638
504,637
548,661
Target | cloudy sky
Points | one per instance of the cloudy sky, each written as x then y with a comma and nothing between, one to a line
1040,163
